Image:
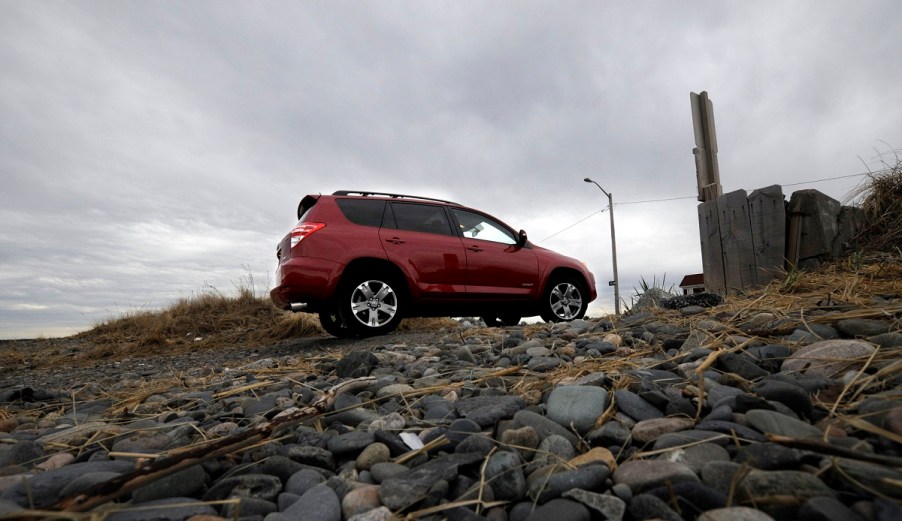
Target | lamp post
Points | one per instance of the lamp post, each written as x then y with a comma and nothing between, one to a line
613,246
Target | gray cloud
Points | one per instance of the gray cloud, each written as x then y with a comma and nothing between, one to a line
150,149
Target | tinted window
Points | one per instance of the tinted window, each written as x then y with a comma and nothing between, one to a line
366,212
478,226
421,218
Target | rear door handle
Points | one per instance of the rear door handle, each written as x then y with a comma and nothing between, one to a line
474,248
394,240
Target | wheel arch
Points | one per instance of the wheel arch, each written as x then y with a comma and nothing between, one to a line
563,272
370,264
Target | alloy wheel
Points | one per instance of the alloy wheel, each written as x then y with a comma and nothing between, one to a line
566,301
374,303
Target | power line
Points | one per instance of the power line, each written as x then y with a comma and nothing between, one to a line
656,200
693,197
572,225
827,179
788,184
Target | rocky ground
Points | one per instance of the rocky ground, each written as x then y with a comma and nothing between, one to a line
750,412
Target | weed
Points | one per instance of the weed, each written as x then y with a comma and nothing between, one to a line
649,295
791,280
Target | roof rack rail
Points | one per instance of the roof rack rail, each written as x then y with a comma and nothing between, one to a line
393,196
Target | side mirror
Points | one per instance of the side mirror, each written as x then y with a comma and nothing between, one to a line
521,238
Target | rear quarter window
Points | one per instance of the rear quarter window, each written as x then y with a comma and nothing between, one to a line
424,218
365,212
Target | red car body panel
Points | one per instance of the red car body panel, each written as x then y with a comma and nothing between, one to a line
495,269
434,265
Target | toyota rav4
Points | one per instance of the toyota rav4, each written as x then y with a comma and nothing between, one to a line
365,260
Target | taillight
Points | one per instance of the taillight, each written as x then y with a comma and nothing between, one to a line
299,232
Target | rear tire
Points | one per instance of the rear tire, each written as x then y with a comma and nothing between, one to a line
565,298
371,304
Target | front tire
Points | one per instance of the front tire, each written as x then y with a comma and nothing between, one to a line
371,305
565,299
334,324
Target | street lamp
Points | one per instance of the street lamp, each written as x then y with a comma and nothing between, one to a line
613,246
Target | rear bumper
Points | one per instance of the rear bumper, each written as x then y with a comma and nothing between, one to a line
307,280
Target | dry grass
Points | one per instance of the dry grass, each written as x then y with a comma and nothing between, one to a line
882,205
413,325
213,320
208,319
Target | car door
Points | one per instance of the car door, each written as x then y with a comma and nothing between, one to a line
497,266
418,237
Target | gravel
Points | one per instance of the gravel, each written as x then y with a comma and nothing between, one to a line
647,416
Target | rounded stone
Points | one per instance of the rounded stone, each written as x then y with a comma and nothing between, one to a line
552,450
544,426
487,410
696,456
649,430
142,442
24,451
319,503
393,390
828,358
302,481
863,327
184,483
361,499
538,351
376,514
611,433
606,505
546,483
372,454
690,498
385,470
768,456
577,406
504,471
476,443
169,508
543,364
647,506
560,510
734,514
823,508
792,396
260,486
595,455
460,429
768,489
524,440
635,406
641,475
356,364
90,479
351,442
772,422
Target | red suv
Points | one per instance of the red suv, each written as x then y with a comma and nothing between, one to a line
365,260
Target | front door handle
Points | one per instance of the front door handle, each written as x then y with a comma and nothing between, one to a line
394,240
474,248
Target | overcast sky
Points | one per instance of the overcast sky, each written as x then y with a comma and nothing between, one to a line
151,150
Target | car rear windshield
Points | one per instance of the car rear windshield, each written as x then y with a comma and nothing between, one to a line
365,212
